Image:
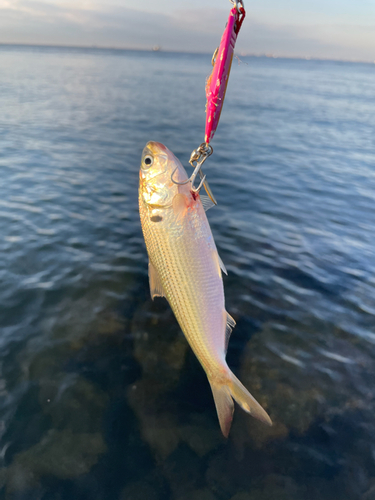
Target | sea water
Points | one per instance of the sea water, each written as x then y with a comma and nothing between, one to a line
100,394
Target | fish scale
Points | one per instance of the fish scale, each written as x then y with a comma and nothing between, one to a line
190,279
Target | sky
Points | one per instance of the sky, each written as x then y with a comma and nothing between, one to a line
332,29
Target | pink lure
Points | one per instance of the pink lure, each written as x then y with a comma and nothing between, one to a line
217,82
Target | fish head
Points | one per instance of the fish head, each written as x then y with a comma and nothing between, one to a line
157,166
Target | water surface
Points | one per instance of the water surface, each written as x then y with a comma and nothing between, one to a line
101,397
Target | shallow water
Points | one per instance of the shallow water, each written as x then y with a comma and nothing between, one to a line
101,396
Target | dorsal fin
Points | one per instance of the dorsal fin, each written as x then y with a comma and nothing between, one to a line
228,330
156,288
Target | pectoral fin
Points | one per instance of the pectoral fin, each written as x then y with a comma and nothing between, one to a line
156,288
206,202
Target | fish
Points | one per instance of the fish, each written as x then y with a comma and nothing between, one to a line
185,268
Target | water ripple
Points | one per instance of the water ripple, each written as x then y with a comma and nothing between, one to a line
82,345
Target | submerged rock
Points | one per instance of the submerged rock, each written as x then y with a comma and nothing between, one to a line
293,374
61,454
71,442
201,434
73,403
370,493
183,472
161,354
151,485
272,487
139,491
203,494
242,495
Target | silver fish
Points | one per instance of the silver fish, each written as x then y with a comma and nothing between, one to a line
185,267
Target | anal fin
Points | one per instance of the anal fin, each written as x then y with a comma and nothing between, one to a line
228,330
221,264
156,288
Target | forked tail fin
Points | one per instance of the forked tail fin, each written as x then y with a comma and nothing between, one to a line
224,393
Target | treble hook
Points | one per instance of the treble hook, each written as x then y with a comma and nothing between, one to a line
197,170
199,156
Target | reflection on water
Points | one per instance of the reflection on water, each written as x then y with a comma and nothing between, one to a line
100,395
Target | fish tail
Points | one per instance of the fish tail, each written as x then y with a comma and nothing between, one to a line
224,392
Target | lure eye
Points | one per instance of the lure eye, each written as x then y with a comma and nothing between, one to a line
148,161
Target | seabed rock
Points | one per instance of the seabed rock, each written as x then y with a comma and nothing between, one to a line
279,367
183,471
73,403
370,493
203,494
273,487
161,349
74,443
139,491
61,454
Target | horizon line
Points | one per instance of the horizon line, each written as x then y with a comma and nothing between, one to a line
158,49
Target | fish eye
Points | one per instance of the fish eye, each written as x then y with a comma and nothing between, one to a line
148,161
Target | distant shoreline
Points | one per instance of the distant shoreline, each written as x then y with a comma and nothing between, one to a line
162,51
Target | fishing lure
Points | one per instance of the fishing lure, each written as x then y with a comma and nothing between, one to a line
216,87
222,62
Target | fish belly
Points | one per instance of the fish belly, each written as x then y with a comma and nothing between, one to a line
185,258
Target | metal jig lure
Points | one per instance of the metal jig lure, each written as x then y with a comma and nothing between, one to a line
216,87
